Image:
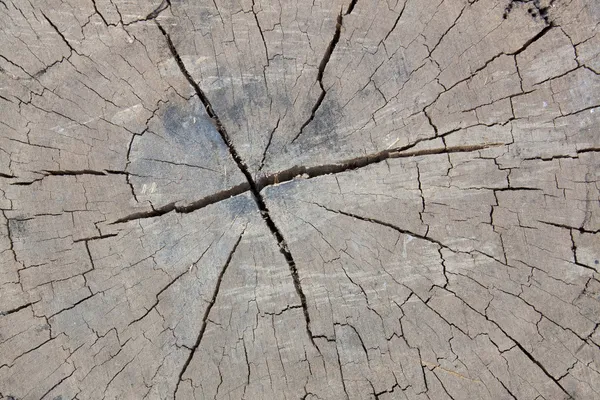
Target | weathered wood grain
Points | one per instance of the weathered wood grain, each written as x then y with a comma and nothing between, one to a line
253,199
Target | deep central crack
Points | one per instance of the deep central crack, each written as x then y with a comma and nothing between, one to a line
254,189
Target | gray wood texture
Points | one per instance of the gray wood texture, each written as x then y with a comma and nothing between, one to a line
257,199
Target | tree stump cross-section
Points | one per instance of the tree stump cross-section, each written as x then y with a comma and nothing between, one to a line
257,199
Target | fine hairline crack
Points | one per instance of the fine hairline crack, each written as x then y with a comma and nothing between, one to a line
252,186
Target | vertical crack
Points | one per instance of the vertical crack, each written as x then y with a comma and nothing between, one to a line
207,313
574,250
323,65
10,237
395,22
262,35
264,211
351,6
262,161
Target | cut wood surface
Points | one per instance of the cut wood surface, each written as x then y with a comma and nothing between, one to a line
257,199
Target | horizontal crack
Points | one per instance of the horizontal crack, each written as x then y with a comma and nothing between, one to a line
17,309
255,187
361,162
188,208
82,172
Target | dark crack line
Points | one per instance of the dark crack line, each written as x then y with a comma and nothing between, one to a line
351,6
262,35
361,162
119,373
29,351
58,383
536,362
59,33
517,343
46,173
283,247
323,65
262,161
17,309
404,232
168,285
179,164
388,225
575,260
308,173
154,14
534,39
10,237
524,47
100,14
74,304
207,312
99,237
396,21
188,208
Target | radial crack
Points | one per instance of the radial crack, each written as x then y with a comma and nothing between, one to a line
323,65
188,208
207,312
255,187
361,162
283,247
